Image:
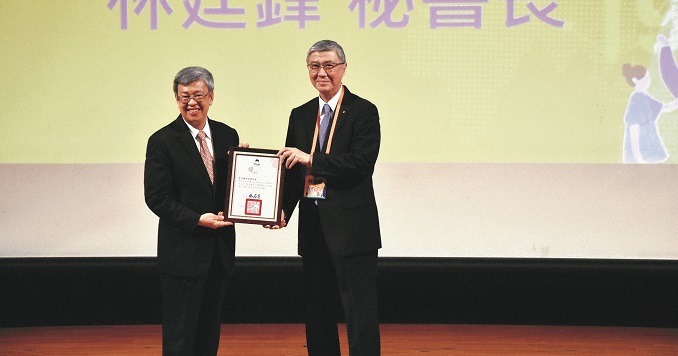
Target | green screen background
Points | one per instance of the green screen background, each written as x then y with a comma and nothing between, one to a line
78,89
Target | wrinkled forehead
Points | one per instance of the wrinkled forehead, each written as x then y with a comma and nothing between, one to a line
323,56
197,85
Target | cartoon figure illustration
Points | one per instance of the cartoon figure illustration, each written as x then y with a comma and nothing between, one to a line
642,142
667,65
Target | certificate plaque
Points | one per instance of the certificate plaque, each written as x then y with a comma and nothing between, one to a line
254,191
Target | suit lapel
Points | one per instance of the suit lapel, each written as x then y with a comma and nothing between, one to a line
344,109
312,107
220,148
310,116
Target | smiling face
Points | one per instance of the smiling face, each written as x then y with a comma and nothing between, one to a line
327,83
193,111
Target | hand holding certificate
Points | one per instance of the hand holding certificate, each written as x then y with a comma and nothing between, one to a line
254,191
292,156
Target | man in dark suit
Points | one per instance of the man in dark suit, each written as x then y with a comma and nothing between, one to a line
185,185
330,154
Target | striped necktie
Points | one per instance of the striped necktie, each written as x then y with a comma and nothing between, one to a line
205,154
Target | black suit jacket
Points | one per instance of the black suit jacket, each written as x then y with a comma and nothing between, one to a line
348,215
178,190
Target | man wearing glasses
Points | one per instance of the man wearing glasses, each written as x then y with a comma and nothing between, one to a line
330,151
185,185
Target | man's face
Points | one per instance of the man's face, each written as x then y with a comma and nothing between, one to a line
327,82
194,101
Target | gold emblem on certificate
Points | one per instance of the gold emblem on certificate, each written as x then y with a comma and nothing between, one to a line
255,180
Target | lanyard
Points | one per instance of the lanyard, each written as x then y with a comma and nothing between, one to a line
334,123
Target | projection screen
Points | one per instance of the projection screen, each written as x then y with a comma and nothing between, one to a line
508,127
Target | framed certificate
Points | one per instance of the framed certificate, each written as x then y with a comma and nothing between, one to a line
254,191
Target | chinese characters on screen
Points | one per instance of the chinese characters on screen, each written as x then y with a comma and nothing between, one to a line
370,13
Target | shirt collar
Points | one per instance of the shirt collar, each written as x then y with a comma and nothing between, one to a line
333,102
206,129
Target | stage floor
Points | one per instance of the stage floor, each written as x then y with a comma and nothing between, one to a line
397,339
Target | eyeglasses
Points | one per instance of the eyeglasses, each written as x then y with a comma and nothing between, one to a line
184,99
328,67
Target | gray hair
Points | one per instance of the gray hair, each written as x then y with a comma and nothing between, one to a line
189,75
327,45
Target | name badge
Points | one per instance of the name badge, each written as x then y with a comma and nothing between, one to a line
315,187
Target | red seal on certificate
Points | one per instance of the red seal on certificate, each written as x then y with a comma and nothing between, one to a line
253,207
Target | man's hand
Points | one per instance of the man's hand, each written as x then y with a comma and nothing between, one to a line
213,221
241,145
283,223
292,156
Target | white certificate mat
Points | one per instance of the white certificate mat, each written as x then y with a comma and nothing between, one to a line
254,193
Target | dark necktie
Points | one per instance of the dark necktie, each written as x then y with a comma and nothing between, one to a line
205,154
